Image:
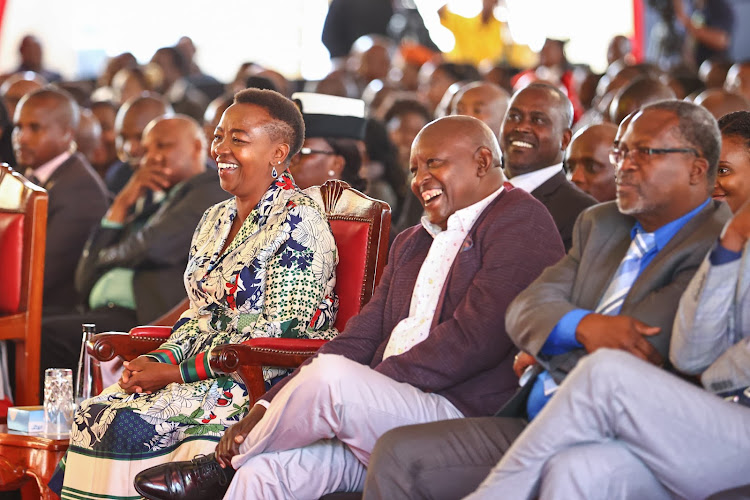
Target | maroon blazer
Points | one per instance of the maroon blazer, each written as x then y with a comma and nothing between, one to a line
467,357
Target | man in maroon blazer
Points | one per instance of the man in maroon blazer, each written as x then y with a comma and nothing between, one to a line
430,345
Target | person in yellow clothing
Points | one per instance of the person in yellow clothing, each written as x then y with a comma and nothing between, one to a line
482,37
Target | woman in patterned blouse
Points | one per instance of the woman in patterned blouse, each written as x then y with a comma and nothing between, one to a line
262,264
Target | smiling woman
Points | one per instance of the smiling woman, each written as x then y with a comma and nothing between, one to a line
262,264
733,178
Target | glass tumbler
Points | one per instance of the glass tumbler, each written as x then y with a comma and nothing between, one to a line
58,400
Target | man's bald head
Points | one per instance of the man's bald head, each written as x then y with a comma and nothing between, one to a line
175,143
132,119
18,85
720,102
484,101
62,107
587,159
89,140
45,126
636,94
455,162
738,79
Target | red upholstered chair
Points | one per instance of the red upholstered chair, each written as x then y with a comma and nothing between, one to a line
360,227
23,229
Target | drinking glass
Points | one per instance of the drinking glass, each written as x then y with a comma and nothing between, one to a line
58,400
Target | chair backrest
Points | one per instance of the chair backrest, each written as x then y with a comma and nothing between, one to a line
23,231
360,226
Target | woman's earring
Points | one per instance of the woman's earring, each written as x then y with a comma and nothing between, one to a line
331,173
274,173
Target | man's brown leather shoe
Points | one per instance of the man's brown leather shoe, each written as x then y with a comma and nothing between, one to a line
202,478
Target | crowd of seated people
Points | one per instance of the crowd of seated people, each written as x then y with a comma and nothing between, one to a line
565,248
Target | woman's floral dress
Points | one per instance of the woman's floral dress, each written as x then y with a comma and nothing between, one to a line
275,279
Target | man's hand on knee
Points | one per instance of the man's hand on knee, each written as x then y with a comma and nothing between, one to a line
229,445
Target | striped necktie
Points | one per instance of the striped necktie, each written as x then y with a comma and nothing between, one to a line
626,274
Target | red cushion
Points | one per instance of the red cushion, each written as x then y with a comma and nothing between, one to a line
11,260
351,241
285,344
151,332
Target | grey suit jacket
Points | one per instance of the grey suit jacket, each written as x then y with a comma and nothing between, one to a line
78,200
565,202
155,245
600,240
712,327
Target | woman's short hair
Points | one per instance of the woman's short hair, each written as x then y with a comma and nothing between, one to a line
736,124
287,126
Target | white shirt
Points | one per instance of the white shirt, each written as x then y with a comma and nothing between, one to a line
446,243
532,180
45,171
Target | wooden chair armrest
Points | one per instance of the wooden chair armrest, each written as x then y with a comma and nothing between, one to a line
128,346
249,357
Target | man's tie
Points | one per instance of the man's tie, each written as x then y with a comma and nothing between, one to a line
626,274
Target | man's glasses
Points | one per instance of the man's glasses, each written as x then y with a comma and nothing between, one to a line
618,155
308,151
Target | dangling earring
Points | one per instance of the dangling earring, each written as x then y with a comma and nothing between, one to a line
274,173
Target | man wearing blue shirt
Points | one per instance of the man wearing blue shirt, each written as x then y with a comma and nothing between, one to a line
618,288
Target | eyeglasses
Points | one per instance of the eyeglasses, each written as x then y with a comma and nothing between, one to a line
308,151
618,155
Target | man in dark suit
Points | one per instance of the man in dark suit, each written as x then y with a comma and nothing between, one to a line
430,345
534,136
133,262
618,287
45,126
130,122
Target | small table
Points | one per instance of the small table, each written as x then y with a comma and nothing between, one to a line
27,461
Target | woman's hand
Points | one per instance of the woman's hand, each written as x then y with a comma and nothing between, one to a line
229,445
146,375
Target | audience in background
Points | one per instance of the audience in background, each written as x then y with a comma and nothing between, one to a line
484,101
405,85
44,132
587,161
385,178
334,128
89,140
175,84
30,50
720,102
106,112
130,122
18,85
534,136
6,130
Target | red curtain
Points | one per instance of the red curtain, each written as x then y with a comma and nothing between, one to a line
638,26
2,11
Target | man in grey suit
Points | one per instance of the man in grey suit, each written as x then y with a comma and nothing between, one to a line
695,444
534,136
131,269
618,288
44,131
